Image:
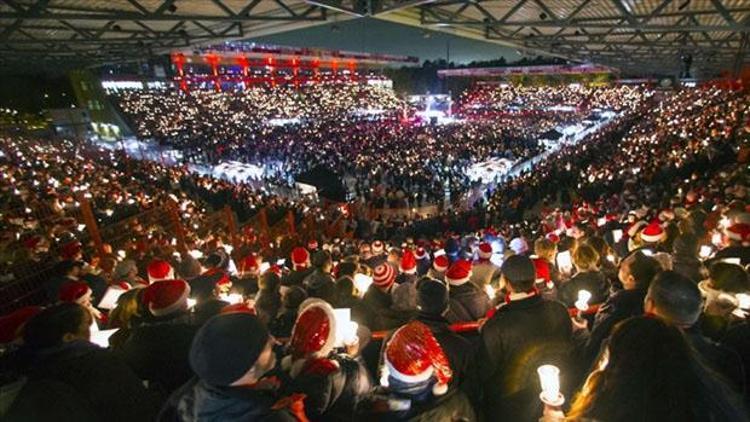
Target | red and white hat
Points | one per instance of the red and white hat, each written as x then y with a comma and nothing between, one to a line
413,355
74,292
312,244
441,263
408,263
421,253
166,296
459,273
250,264
739,232
300,258
635,228
313,335
553,237
378,247
383,276
485,250
652,233
158,270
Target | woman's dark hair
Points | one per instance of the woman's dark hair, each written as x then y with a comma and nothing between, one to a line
344,289
48,328
730,278
269,281
652,374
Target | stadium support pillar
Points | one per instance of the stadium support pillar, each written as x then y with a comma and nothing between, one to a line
263,219
232,228
90,222
291,221
174,216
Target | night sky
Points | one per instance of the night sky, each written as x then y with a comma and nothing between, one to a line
377,36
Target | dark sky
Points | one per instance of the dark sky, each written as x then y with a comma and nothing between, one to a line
377,36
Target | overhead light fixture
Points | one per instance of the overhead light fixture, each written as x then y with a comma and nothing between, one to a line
542,16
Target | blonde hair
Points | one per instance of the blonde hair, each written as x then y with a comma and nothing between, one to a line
545,249
585,257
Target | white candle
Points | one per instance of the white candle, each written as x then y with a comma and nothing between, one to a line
549,377
362,282
705,251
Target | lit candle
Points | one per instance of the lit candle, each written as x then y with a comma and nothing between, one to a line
362,282
582,304
549,377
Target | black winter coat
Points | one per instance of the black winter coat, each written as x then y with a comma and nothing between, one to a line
295,278
521,336
383,317
92,381
593,281
158,350
467,303
331,394
721,359
689,267
198,401
386,406
620,306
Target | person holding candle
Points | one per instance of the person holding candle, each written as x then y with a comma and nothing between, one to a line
414,382
524,332
332,382
70,378
677,300
649,372
588,277
635,274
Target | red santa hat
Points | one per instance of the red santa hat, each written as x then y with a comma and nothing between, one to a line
383,276
739,232
485,250
541,268
238,308
166,296
378,247
158,270
413,355
441,263
70,250
459,273
313,335
408,263
421,253
635,228
312,244
553,237
652,233
11,324
250,264
300,258
74,292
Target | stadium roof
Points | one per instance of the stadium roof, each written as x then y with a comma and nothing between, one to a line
637,36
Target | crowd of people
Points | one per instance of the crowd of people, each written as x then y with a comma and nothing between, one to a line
621,260
491,99
356,131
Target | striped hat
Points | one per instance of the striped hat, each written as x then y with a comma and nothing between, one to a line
384,276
